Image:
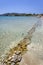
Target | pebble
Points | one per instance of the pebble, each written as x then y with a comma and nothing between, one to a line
19,58
12,63
14,59
18,52
9,58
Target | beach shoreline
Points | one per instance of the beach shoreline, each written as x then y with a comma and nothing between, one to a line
31,56
26,48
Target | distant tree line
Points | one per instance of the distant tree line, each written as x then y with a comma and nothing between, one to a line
20,14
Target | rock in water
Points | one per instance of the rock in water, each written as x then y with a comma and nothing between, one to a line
12,63
18,52
14,58
19,58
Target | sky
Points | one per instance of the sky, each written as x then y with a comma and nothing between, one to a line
21,6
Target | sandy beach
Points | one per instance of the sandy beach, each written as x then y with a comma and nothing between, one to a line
34,55
30,47
21,32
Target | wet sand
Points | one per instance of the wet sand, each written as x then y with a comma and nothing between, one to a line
34,55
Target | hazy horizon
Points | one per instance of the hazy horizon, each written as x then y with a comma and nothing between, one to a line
21,6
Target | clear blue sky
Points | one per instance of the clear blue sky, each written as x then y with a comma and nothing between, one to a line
21,6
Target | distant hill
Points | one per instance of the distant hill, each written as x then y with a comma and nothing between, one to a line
20,14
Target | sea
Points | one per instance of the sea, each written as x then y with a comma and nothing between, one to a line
14,28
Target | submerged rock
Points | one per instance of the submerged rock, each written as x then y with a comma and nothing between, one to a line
12,63
14,59
19,58
18,52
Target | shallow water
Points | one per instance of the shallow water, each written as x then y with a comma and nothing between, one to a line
12,29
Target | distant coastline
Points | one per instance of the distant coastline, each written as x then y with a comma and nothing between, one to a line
20,14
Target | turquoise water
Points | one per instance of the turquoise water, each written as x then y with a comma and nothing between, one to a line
12,29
